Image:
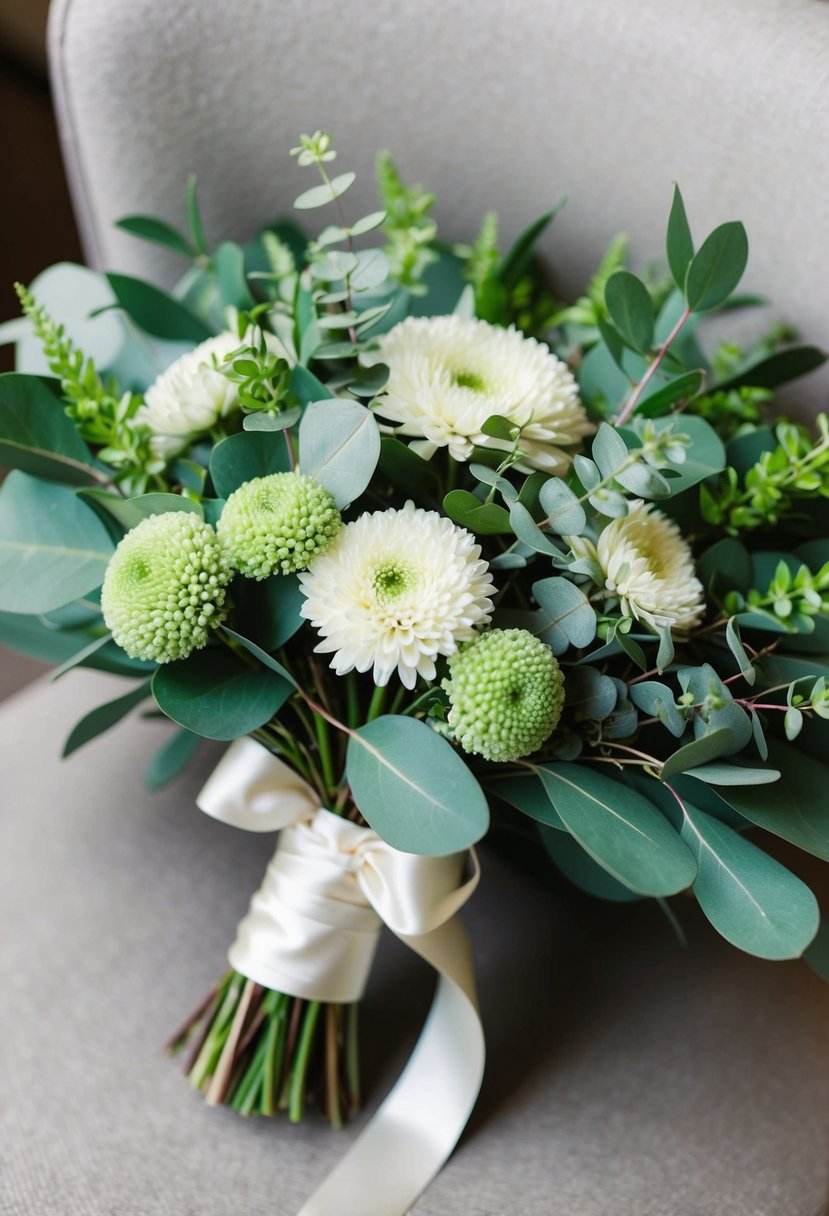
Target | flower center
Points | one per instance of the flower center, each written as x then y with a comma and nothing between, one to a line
471,380
391,580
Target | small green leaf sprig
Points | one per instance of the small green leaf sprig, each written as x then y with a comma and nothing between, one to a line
105,416
340,280
790,602
409,228
262,375
796,469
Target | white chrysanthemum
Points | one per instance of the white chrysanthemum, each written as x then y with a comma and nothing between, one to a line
191,395
394,590
647,563
447,375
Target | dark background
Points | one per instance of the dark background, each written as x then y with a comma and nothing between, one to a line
36,222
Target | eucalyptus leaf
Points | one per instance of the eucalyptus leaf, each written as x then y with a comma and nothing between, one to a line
701,751
268,612
717,268
527,793
213,693
750,899
620,829
262,656
229,264
658,701
245,456
53,548
778,368
307,386
795,807
128,512
37,436
103,717
528,531
159,232
718,773
681,388
171,759
339,446
156,312
566,617
679,244
484,519
318,196
413,788
582,871
629,304
562,509
609,450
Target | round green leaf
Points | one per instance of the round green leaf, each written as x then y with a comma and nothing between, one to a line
413,788
36,434
717,268
631,309
53,548
213,693
339,445
753,901
245,456
620,829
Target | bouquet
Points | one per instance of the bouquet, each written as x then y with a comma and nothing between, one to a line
439,554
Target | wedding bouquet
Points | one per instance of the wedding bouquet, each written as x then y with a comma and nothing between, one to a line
434,549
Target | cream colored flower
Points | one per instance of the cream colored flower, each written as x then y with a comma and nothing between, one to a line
647,564
189,398
447,375
394,590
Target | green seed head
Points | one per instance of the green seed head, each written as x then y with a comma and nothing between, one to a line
278,523
506,693
165,587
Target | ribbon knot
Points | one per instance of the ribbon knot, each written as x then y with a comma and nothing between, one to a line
311,931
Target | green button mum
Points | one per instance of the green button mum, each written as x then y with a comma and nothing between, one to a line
165,587
506,693
278,523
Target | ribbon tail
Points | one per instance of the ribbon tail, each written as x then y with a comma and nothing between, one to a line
417,1126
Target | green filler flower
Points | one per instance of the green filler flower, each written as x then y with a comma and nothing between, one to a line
165,587
506,693
278,522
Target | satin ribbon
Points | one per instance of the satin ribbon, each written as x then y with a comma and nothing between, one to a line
311,931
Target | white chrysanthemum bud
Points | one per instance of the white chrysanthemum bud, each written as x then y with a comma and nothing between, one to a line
447,375
278,523
165,587
395,590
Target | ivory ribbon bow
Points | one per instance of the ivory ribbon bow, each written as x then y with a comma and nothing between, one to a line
312,930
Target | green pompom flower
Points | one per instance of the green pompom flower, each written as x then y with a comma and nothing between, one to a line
165,587
506,693
279,522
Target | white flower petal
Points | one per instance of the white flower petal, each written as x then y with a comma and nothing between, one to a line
394,590
447,375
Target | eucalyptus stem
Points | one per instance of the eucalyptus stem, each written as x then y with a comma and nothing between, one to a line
635,396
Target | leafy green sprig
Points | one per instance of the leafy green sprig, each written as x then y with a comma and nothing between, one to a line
796,469
409,228
104,415
791,601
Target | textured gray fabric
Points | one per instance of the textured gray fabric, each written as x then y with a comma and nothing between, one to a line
492,106
625,1075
